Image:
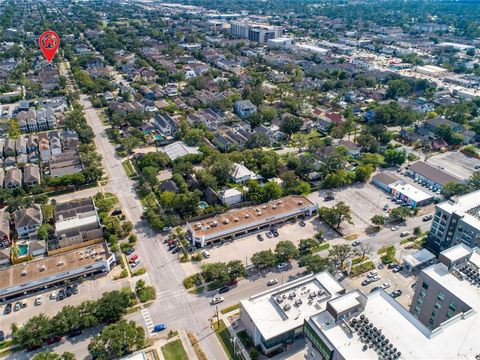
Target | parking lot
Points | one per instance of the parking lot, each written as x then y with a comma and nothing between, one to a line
397,281
89,290
455,163
243,248
365,201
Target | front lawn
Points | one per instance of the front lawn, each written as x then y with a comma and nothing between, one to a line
174,351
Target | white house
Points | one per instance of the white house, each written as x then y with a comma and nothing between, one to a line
230,196
241,174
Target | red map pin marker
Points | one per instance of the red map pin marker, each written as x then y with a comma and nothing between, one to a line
49,42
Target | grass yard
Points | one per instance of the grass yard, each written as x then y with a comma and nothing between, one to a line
230,308
128,167
174,351
224,336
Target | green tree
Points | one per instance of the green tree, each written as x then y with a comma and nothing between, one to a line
43,231
52,356
236,269
34,332
306,246
217,274
454,189
363,172
378,220
67,320
112,306
263,259
285,250
316,263
335,215
395,157
117,340
474,180
291,125
400,213
340,253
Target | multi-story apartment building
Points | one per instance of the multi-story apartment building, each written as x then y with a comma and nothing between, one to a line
455,222
255,32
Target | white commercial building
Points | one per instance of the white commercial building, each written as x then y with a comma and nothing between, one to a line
179,149
230,196
280,42
311,49
410,194
275,317
431,70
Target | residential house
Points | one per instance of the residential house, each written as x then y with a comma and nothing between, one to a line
44,147
353,148
144,74
66,163
170,186
2,177
31,175
432,124
165,124
55,143
9,149
13,179
244,108
4,228
21,145
69,139
240,174
27,221
32,144
230,196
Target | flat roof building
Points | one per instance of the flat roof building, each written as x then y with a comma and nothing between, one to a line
418,259
410,194
240,222
179,149
431,175
275,317
36,275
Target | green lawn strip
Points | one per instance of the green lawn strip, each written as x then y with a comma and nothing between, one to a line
321,247
129,170
174,351
225,339
230,308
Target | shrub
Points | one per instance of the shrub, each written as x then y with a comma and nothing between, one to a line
362,268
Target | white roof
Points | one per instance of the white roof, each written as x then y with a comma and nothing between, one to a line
412,192
230,193
419,257
456,252
239,171
179,149
455,340
465,207
75,222
270,317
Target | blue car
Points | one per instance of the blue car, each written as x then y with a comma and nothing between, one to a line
159,327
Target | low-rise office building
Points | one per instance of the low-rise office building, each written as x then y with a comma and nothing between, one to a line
410,194
38,275
275,317
456,221
240,222
431,175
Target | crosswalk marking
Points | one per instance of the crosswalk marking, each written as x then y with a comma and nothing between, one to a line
148,319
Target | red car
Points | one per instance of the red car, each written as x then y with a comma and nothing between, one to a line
54,339
133,258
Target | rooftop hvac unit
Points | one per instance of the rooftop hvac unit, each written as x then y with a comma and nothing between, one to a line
274,206
300,202
235,219
264,207
80,257
42,268
60,263
280,202
259,213
99,258
23,273
257,209
286,307
214,223
247,216
226,221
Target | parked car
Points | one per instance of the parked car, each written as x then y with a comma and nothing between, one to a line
205,254
8,309
427,217
329,197
366,282
175,250
356,243
61,294
375,278
260,237
282,266
269,234
133,259
159,327
53,296
395,228
75,332
17,306
129,251
135,263
385,207
272,282
301,223
275,232
372,274
375,289
2,335
392,266
167,229
216,300
54,339
398,268
404,233
223,289
396,293
385,285
38,300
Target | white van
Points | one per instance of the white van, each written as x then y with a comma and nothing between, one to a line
205,254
